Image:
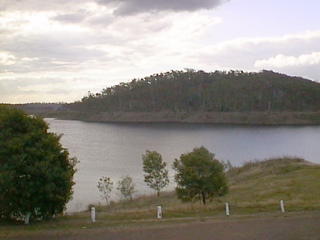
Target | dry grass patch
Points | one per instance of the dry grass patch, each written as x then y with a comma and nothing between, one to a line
257,186
262,184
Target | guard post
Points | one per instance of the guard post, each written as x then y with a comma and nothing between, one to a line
93,214
159,212
227,209
281,206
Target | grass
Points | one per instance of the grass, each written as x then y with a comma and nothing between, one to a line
260,185
256,187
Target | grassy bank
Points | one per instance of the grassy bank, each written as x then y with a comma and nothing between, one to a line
255,188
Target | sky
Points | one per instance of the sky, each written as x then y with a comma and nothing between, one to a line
58,50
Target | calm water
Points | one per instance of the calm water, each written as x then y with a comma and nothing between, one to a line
107,149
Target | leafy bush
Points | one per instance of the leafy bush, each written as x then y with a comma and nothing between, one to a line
36,173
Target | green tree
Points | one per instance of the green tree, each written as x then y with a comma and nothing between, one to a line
156,175
105,187
199,175
36,173
126,187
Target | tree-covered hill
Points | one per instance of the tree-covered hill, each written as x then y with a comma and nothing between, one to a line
189,91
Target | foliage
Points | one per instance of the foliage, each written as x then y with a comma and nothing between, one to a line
219,91
36,173
226,165
126,187
105,187
199,175
156,175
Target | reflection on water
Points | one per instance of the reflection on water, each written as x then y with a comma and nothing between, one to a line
108,149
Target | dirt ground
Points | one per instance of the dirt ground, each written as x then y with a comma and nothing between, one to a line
274,228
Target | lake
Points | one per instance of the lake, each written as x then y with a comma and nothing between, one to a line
115,149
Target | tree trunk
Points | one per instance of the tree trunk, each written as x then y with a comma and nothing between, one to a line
203,198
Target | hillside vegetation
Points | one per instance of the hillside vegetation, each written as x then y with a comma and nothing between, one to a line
187,91
233,97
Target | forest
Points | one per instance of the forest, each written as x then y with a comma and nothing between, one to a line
219,91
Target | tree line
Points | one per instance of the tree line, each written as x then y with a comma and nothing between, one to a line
192,90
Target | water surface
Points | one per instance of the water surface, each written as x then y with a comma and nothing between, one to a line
113,150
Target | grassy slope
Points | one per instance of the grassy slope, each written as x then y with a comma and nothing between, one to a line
259,186
254,188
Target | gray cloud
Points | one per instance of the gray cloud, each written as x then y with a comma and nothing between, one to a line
132,7
100,21
47,53
70,18
38,5
4,5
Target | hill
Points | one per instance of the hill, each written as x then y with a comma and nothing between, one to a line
234,97
197,96
217,91
37,108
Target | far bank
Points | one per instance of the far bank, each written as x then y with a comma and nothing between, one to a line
256,118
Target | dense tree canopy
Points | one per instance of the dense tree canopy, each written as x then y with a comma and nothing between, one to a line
156,173
218,91
199,175
36,173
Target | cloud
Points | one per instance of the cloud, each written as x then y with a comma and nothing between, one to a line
69,18
89,45
281,60
131,7
305,65
6,58
38,5
250,53
119,7
27,88
100,21
60,47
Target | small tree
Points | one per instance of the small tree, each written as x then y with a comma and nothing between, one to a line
126,187
199,175
36,173
105,187
156,175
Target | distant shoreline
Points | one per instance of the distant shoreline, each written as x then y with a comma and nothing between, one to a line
246,118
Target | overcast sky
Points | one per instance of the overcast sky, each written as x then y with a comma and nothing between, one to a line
58,50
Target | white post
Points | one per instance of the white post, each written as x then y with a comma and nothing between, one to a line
26,219
159,214
93,214
227,209
281,205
